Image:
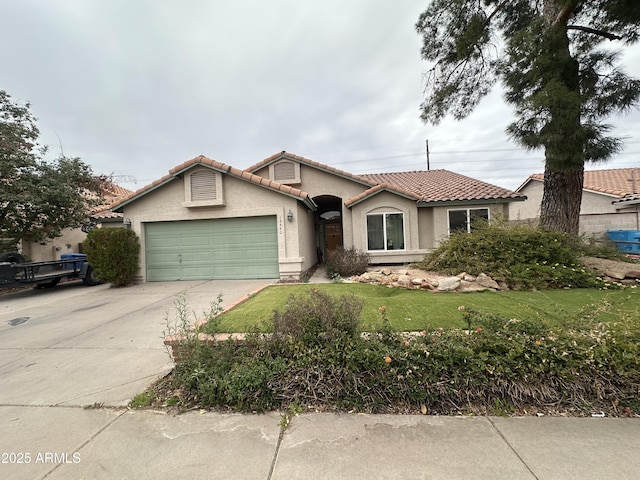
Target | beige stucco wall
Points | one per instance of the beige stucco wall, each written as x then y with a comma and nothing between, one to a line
53,248
426,230
530,208
241,199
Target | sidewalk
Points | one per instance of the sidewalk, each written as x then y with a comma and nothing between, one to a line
65,443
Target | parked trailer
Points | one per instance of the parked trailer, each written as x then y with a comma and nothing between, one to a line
15,271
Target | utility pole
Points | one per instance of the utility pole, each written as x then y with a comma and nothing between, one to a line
428,166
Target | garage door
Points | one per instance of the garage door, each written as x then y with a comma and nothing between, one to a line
232,248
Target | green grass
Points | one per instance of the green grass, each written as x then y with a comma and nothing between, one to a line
409,310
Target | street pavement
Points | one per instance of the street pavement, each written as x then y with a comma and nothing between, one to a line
71,358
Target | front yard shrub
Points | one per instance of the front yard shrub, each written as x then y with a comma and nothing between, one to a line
496,365
347,262
525,257
113,254
318,317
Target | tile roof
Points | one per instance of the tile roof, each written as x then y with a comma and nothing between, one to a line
427,187
222,167
321,166
424,186
112,194
434,186
616,181
377,189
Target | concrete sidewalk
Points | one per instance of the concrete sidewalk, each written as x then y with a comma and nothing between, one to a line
64,443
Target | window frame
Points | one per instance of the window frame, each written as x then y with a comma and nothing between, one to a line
384,231
468,212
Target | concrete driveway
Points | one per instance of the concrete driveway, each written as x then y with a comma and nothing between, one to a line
76,345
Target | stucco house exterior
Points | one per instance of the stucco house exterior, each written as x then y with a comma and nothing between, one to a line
281,216
610,200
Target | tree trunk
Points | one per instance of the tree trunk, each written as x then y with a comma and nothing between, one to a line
560,209
563,136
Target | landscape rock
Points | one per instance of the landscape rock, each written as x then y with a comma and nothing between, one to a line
487,281
466,286
404,280
448,284
616,275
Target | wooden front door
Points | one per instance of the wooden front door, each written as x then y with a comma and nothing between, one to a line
332,236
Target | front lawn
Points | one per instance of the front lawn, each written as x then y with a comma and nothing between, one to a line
416,310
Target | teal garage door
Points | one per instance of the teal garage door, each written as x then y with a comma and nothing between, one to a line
229,248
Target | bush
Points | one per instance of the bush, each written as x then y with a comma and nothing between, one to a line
113,254
318,317
347,262
524,257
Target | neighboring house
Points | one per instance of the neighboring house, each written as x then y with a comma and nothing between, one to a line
610,200
72,238
279,217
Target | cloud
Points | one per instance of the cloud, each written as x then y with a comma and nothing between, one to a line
135,88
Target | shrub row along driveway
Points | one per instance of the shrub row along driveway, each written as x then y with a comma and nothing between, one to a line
76,345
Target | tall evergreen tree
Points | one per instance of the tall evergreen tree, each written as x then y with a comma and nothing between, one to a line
557,73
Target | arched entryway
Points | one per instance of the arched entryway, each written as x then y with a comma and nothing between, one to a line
328,224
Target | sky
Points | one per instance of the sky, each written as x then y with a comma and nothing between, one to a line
136,87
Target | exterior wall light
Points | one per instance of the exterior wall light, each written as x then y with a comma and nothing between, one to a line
290,216
126,222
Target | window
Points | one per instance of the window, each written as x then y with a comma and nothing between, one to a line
385,231
463,220
203,188
285,172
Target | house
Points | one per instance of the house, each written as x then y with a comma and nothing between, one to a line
610,200
279,217
71,239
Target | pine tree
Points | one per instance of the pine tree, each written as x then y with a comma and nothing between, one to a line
561,78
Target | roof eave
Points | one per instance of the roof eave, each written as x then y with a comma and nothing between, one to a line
373,194
479,201
118,208
309,163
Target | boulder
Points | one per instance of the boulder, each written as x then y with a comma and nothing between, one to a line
616,274
466,286
486,281
448,284
417,281
404,280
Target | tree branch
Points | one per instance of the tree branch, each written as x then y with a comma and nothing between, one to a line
610,36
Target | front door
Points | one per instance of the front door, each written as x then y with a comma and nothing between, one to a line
332,237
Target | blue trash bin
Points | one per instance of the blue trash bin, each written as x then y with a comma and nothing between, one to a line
82,257
622,239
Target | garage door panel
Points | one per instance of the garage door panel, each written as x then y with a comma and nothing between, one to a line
212,249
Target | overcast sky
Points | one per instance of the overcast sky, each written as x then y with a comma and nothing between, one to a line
136,87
